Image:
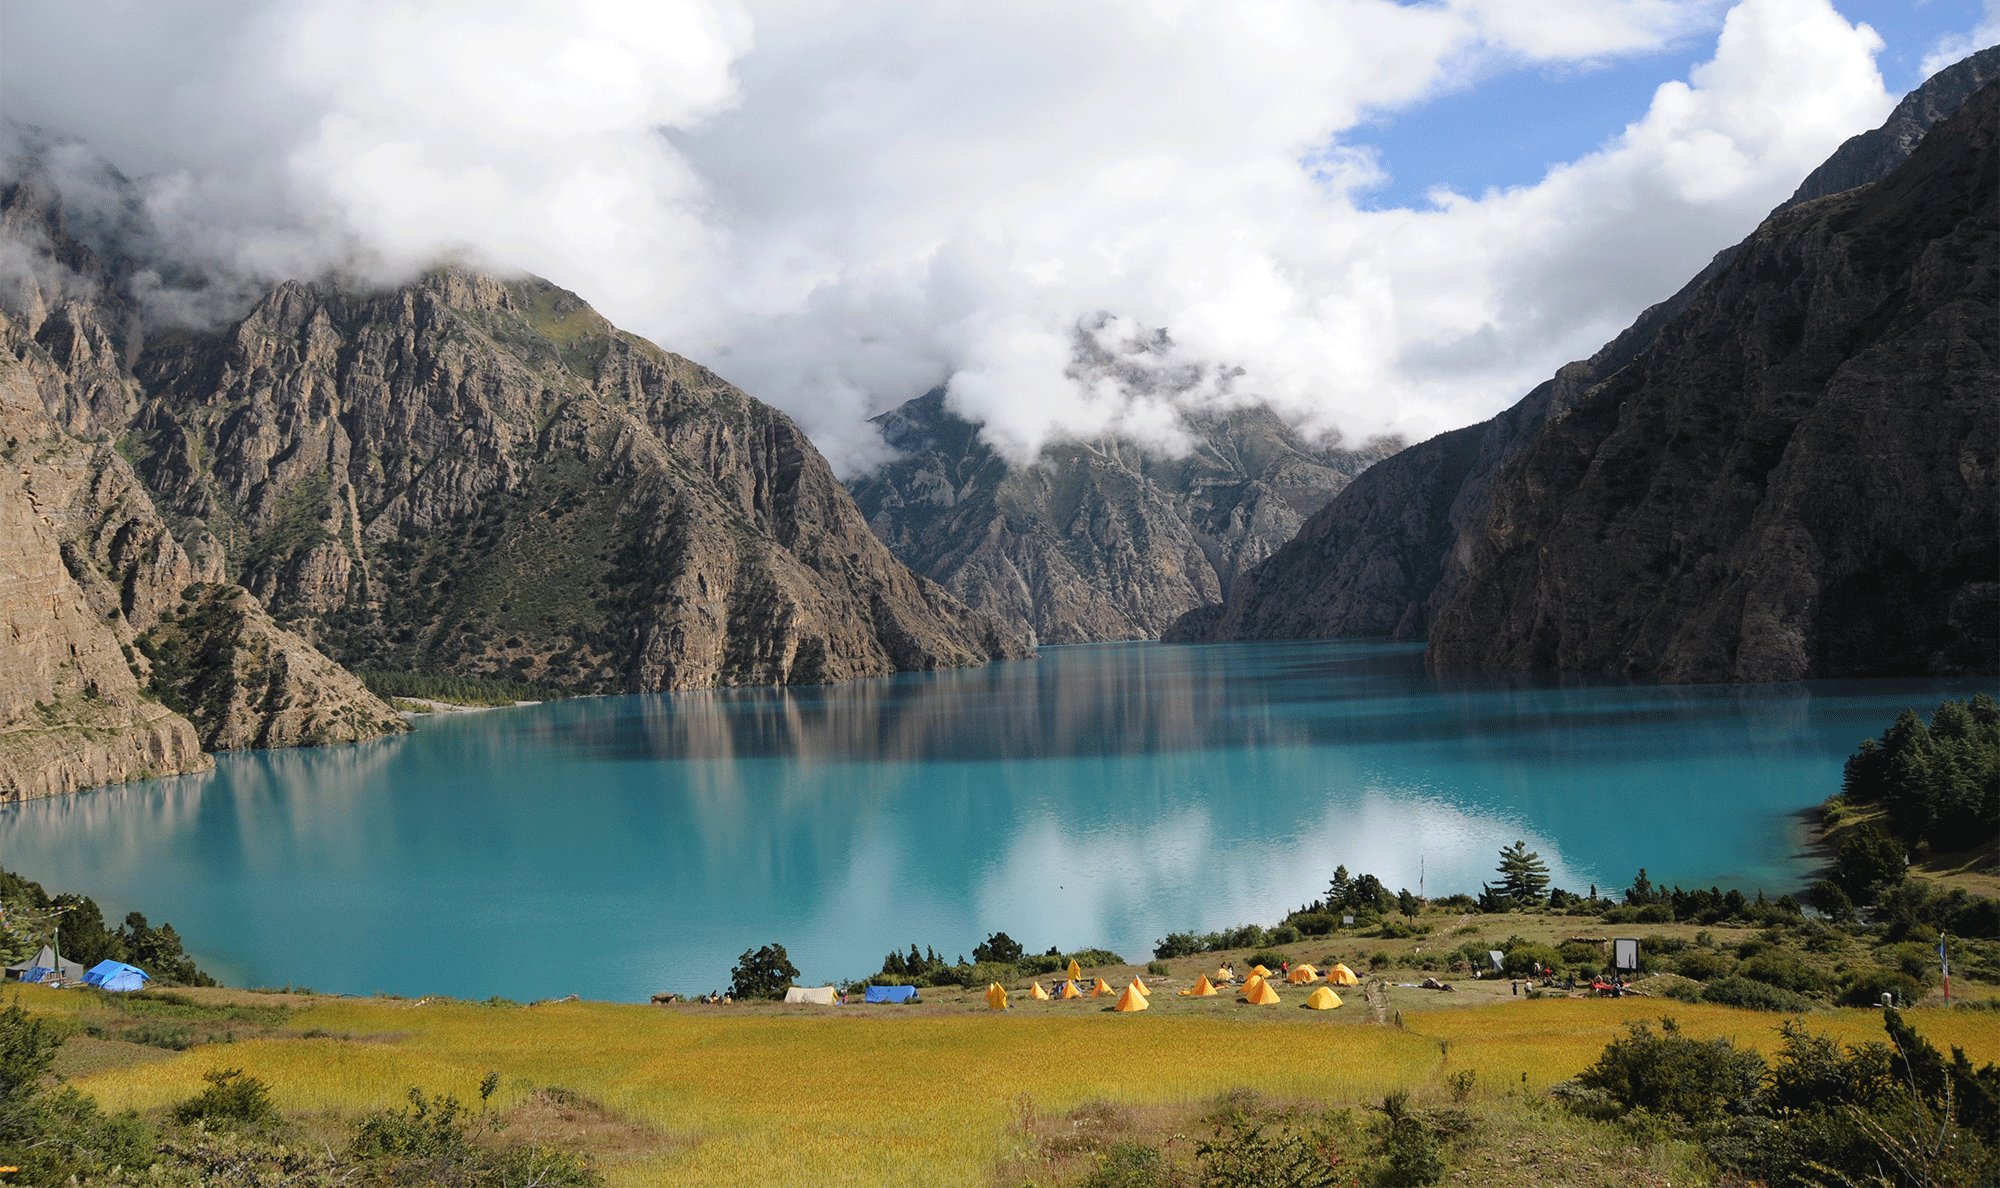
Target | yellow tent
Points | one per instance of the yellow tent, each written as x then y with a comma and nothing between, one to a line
1132,1000
1222,976
1260,993
1037,993
1069,990
1202,988
1251,983
1141,988
1261,972
996,997
1075,970
1323,999
1302,975
1101,989
1340,975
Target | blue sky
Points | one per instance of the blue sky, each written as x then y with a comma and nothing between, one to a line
1511,125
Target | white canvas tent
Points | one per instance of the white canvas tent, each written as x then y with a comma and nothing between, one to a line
820,995
67,971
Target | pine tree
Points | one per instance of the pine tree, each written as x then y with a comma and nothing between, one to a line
1524,877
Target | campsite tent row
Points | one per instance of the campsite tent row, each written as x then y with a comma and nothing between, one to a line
1257,989
105,975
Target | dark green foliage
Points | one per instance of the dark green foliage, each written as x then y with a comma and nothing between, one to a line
1939,781
1667,1073
1784,969
158,951
458,690
1641,892
1409,1147
764,973
1754,996
82,936
1702,965
998,948
1865,988
1867,860
1185,944
1524,877
1522,956
231,1098
1832,901
53,1136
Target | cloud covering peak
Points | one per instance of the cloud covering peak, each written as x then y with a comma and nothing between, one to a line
840,205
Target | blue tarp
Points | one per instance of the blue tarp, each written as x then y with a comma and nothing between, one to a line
36,973
892,994
116,975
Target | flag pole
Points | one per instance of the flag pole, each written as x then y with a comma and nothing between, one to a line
1944,963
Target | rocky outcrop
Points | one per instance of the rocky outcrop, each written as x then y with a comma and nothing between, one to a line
1396,548
1097,540
246,682
1872,155
484,477
1798,479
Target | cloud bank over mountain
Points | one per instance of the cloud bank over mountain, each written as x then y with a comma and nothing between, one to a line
840,205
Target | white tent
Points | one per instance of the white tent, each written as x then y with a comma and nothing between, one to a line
821,995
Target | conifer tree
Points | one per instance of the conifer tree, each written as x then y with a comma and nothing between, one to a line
1524,877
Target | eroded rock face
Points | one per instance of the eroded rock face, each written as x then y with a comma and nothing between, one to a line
1096,540
484,477
1797,480
71,711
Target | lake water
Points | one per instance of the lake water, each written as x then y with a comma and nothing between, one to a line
1099,796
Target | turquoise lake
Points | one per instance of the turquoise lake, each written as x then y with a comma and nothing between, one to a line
1098,796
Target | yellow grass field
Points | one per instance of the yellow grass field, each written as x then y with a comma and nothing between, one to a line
876,1096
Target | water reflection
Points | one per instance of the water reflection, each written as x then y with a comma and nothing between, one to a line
1101,795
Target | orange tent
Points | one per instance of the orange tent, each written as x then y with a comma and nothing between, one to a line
1251,983
1302,975
1101,989
1075,970
1069,990
1036,992
1323,999
1202,988
1261,972
1222,976
1260,993
1141,988
1340,975
996,997
1132,1000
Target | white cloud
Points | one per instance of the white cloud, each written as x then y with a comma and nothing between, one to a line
839,204
1954,46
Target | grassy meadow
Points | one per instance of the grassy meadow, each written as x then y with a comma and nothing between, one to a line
946,1093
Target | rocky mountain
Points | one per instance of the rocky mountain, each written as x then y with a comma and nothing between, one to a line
1798,478
1393,551
1096,540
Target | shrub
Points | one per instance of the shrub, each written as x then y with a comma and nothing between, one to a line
1157,968
435,1142
999,948
1177,944
1522,956
1129,1164
1313,923
1665,1072
1580,953
230,1097
1282,1151
1410,1147
1865,988
1379,959
1285,934
1755,996
1703,966
1267,959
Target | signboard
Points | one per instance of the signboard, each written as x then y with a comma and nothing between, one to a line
1625,954
1346,920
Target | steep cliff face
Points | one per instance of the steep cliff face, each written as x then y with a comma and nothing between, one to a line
486,478
71,711
1390,553
1096,540
1798,478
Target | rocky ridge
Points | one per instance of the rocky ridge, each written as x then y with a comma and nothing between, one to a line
1096,540
1397,547
1798,478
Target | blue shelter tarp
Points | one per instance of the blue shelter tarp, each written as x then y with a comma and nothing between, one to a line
892,994
36,973
116,975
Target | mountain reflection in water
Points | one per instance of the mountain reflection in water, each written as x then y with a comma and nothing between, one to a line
1102,795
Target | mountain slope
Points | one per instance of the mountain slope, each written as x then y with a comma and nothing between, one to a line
484,477
1395,549
1798,478
1097,540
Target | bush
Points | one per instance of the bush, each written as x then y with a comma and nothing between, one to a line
1522,956
1283,1151
1177,944
999,949
1157,968
1313,923
1129,1164
1703,966
435,1142
1267,959
1754,996
230,1097
1665,1072
1285,934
